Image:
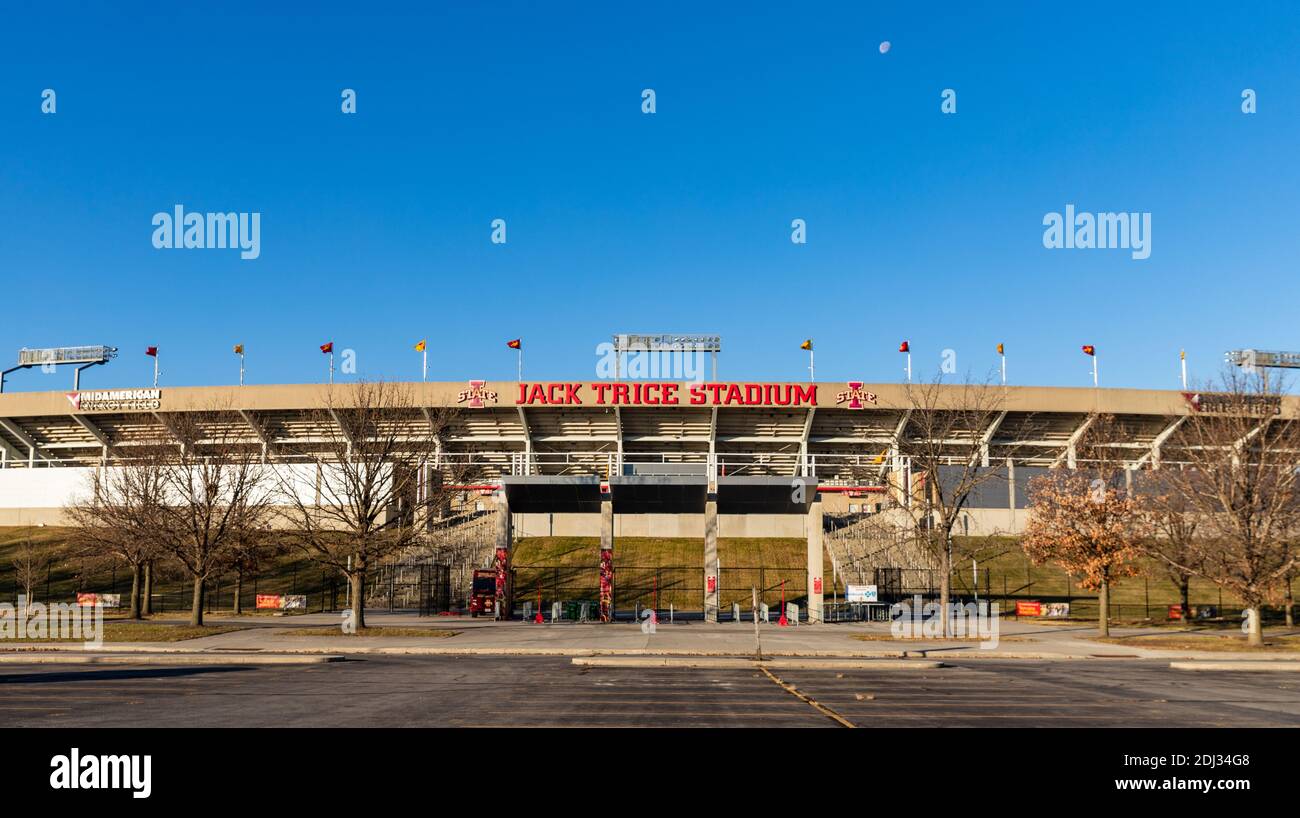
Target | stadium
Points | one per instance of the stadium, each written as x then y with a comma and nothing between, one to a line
697,461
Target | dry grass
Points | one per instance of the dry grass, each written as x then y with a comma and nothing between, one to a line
887,637
1210,641
432,633
144,632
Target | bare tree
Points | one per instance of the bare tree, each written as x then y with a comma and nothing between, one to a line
115,520
377,480
946,435
1172,542
215,489
1240,450
250,551
31,563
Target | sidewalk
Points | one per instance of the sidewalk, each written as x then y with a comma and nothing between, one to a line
484,637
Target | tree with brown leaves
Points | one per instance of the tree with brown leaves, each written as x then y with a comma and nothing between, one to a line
1090,529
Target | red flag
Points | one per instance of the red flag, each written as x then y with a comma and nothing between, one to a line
903,347
1089,349
327,348
515,344
151,351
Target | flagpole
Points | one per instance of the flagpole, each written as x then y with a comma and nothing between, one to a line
1094,370
1182,354
812,371
241,369
521,362
425,371
155,370
909,366
1004,369
331,365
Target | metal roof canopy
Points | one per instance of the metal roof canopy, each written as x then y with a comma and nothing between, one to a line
553,494
659,494
765,495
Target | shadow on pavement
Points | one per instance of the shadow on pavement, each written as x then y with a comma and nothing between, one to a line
111,675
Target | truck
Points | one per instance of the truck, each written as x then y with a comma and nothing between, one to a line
483,592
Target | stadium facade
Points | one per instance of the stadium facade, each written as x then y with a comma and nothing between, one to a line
616,459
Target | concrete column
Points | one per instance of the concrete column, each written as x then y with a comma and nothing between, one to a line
505,533
712,595
606,561
815,561
1011,492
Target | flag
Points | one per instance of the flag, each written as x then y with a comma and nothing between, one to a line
1001,350
327,348
151,351
1089,349
420,346
806,345
904,347
239,349
515,344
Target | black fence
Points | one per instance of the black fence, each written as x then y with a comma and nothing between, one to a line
681,587
423,588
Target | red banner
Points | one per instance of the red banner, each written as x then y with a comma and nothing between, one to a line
268,601
1030,608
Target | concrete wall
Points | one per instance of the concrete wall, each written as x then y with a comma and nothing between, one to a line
38,496
660,525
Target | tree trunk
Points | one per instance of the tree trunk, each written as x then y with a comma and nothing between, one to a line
146,603
136,571
239,586
196,606
1183,600
1103,609
1290,604
357,590
1255,631
945,590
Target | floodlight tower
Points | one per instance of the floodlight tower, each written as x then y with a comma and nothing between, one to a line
1250,359
80,357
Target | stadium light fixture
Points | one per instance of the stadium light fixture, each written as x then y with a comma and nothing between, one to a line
81,357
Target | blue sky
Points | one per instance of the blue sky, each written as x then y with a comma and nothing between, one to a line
375,227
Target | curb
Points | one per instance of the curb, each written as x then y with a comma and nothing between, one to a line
720,663
1250,665
170,658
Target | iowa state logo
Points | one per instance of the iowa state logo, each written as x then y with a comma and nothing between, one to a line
477,396
855,396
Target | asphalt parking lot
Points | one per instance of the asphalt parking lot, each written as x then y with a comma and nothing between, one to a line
475,691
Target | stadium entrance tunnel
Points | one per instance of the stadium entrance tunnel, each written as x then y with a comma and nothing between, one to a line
661,493
766,495
552,495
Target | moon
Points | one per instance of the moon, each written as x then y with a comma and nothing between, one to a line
884,47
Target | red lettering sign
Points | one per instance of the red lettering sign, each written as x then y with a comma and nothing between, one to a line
638,393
